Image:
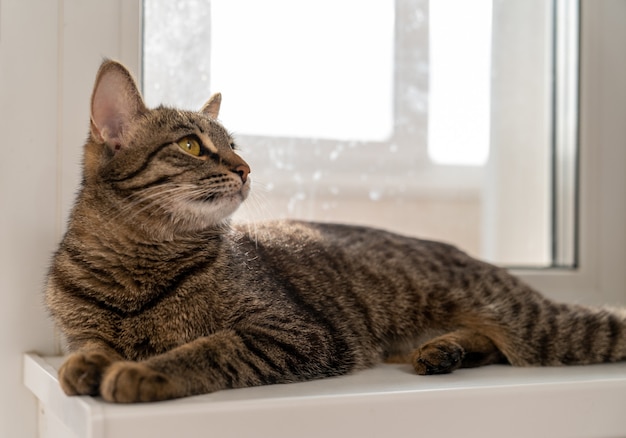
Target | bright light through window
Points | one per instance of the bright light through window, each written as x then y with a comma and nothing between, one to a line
317,69
325,69
380,112
459,81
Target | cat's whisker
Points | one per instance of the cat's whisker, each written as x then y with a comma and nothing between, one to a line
256,208
152,196
256,205
162,198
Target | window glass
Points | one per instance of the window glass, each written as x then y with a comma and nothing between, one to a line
440,119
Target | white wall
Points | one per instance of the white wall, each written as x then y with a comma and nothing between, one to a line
28,196
49,53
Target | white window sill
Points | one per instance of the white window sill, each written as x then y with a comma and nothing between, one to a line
385,401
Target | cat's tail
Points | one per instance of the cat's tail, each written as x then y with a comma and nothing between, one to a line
549,333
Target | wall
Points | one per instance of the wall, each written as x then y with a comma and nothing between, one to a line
28,197
49,53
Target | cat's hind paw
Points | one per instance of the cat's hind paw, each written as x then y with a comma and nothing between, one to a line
131,382
437,357
81,373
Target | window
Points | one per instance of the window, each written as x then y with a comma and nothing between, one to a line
433,119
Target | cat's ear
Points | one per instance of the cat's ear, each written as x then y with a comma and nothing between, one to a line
115,103
212,106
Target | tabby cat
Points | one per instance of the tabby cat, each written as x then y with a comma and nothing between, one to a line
159,296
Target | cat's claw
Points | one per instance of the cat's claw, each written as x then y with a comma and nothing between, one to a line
439,357
128,382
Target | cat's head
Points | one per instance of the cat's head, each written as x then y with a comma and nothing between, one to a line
176,170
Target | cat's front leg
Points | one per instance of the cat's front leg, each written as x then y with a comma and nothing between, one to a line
225,359
193,368
82,371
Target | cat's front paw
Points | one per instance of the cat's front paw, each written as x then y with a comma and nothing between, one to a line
438,357
130,382
81,373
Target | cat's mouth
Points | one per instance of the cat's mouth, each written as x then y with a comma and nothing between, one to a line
208,198
214,208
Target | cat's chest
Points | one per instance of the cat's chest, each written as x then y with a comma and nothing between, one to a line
141,338
176,320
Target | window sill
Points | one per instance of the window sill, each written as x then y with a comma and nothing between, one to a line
384,401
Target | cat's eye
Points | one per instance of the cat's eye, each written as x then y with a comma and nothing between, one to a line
191,145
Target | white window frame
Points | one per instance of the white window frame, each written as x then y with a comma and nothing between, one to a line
600,277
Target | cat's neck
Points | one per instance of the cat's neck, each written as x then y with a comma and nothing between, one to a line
138,227
100,231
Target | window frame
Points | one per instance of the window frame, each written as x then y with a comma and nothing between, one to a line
599,277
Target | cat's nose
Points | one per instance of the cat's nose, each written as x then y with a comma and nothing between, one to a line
242,170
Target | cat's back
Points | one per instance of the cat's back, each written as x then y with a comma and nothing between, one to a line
300,235
309,247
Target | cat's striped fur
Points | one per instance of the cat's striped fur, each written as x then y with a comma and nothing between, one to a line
159,297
